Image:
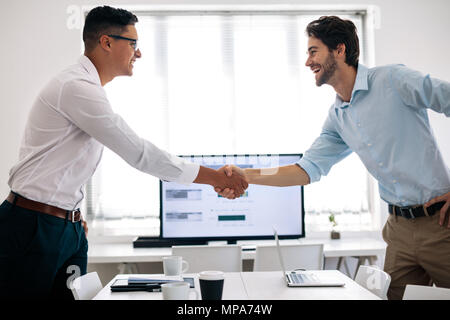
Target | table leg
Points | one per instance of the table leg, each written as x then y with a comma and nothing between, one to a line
122,267
347,269
338,267
127,268
361,261
372,260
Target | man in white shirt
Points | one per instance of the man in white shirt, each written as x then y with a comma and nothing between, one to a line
41,229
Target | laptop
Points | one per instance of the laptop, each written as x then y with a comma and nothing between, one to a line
302,278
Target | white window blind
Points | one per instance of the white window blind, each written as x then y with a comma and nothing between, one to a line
223,83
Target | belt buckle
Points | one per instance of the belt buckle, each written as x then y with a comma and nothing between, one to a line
409,210
72,215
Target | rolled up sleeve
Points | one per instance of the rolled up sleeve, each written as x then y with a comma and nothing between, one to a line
327,150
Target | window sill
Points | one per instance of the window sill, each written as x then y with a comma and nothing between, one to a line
121,237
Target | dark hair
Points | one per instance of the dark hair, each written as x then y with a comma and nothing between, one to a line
105,20
332,30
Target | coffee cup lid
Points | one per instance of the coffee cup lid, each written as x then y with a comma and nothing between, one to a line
211,275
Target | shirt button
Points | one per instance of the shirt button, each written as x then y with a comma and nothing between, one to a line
369,144
359,124
380,164
394,181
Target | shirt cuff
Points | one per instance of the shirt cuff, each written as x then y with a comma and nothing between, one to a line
189,172
310,168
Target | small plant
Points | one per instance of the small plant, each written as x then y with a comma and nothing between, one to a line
334,234
332,220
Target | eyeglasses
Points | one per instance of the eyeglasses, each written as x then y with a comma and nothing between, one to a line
133,42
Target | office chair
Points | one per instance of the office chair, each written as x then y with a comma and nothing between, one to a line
226,258
86,286
373,279
295,256
415,292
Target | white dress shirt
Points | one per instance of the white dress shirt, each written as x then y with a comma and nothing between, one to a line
69,123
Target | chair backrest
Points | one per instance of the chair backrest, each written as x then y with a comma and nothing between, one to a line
415,292
295,256
226,258
373,279
86,286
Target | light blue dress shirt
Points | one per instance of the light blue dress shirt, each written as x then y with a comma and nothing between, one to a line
386,124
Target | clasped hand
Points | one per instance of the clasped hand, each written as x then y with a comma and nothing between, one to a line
237,185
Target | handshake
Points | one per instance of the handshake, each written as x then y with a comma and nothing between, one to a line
231,182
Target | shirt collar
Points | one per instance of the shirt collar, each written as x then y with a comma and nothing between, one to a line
361,83
90,68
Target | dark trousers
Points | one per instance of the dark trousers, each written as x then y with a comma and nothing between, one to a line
39,254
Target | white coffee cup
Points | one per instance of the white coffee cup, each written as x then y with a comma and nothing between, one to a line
178,291
174,265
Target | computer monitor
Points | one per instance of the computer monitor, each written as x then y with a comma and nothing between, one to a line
197,212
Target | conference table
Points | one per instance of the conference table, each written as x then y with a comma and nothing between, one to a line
255,286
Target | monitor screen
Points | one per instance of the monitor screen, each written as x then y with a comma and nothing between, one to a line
196,211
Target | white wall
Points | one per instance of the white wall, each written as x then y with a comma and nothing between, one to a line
36,44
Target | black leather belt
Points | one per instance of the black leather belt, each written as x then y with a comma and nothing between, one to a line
415,211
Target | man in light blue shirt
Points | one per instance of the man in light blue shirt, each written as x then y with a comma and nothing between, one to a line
381,114
399,150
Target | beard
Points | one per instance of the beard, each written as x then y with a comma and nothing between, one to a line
328,68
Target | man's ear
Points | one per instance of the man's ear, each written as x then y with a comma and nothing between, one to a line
340,49
105,43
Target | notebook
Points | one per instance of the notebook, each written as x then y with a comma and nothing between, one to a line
302,278
144,284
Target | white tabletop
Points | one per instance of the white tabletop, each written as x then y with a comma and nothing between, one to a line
272,286
233,288
256,286
124,252
353,247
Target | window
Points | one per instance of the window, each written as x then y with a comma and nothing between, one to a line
224,83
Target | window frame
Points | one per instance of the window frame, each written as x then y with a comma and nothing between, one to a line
370,21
